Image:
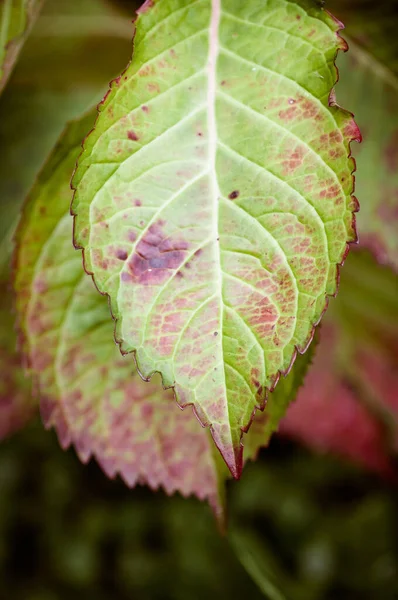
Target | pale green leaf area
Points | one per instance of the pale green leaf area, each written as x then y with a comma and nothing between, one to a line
372,91
16,18
213,199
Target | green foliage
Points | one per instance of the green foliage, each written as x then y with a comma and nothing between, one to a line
223,126
91,395
217,258
16,18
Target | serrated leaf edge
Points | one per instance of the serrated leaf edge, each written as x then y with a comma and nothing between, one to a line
354,134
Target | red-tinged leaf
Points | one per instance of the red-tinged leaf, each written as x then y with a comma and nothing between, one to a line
16,403
88,391
214,199
349,402
16,19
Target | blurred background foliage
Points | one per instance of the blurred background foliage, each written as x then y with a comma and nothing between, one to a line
301,525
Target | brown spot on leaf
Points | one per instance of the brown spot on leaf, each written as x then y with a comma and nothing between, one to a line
233,195
132,135
137,202
145,109
155,255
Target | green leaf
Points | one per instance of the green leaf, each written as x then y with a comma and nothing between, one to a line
373,94
16,18
213,199
93,396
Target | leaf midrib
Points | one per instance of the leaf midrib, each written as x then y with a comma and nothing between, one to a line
214,49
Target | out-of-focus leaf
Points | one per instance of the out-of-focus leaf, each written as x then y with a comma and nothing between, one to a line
88,392
371,25
349,402
17,405
16,19
373,94
214,201
259,562
73,50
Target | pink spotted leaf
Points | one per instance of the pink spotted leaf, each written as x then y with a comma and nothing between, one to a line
214,199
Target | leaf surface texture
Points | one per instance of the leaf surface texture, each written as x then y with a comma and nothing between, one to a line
213,199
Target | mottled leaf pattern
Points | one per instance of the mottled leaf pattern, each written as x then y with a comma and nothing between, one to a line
16,16
213,199
349,402
373,94
88,391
